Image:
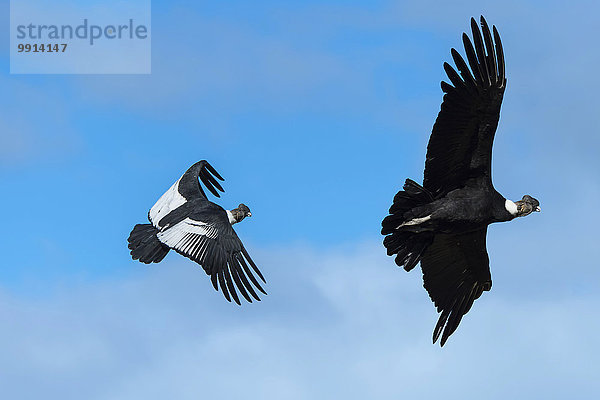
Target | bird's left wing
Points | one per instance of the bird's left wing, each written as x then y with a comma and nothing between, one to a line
212,243
460,146
186,188
455,273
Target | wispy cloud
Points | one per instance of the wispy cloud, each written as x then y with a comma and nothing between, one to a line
343,323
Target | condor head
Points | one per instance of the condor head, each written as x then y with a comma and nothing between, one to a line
527,205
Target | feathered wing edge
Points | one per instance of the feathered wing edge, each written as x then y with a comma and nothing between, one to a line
455,273
206,173
221,254
450,317
206,176
461,141
186,188
239,267
486,61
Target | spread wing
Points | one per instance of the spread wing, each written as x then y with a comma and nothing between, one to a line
455,273
460,146
187,188
209,240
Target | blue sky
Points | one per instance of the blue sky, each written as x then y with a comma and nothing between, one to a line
314,113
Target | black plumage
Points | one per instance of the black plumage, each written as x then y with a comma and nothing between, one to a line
184,220
443,224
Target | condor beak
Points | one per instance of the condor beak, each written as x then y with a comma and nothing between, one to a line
250,214
538,209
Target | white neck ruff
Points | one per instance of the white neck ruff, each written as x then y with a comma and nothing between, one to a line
511,207
231,218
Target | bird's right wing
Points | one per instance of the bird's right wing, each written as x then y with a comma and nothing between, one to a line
185,189
212,243
460,146
455,272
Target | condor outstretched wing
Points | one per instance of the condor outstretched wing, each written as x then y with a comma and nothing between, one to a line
456,270
460,146
186,188
205,235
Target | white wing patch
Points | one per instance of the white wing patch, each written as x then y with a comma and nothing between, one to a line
168,202
511,207
415,221
189,237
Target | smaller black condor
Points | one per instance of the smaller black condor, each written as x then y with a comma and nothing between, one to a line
184,220
443,224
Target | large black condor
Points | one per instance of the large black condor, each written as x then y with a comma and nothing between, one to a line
443,224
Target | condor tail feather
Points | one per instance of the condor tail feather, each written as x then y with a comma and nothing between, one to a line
144,244
407,246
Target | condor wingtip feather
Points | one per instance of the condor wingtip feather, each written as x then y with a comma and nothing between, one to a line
500,57
213,170
465,73
490,56
479,50
472,58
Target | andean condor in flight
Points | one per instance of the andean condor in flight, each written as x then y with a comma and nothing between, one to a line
443,224
184,220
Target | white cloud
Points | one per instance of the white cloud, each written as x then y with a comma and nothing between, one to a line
338,324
